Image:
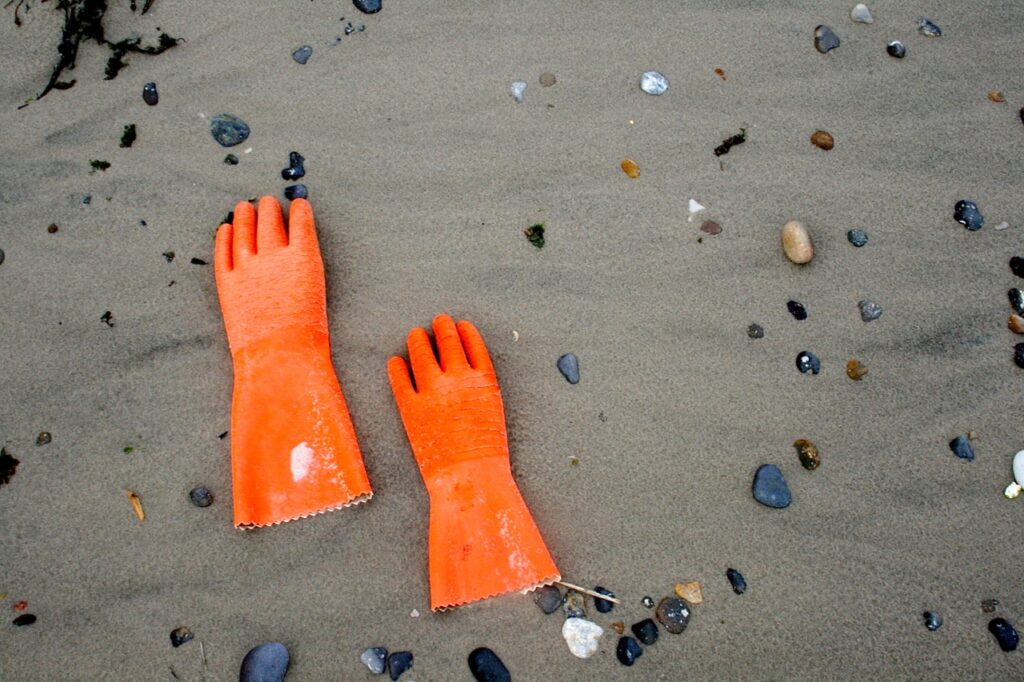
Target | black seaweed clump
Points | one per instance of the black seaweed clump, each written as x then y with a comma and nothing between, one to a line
99,165
730,142
128,136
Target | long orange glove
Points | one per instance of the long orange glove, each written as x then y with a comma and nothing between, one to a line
293,449
483,541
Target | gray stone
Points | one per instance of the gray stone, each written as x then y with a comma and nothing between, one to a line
228,130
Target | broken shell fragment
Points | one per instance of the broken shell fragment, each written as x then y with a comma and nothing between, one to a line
822,140
807,451
582,636
630,168
136,505
855,370
797,242
690,591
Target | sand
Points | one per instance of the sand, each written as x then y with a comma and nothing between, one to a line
423,172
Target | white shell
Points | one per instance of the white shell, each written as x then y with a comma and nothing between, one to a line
516,90
582,636
653,83
861,14
695,206
1018,468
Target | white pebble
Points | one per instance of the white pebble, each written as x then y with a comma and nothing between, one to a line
861,14
653,83
582,636
1003,225
1018,468
517,89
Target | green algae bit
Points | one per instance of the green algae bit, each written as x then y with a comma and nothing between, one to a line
535,233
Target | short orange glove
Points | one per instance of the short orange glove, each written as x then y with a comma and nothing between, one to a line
293,449
483,541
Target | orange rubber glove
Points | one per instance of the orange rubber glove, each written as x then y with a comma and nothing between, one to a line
293,449
483,541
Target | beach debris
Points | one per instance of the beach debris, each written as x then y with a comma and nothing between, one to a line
296,167
755,331
855,370
996,96
43,438
535,235
730,142
20,606
569,366
720,73
8,466
24,619
228,130
674,614
646,631
582,636
1018,355
861,14
653,83
825,39
648,601
797,243
694,207
1017,266
485,666
168,256
619,627
736,580
367,6
181,636
86,199
770,487
627,651
690,591
128,136
99,165
808,454
710,227
201,496
822,140
574,604
603,605
1005,634
197,261
516,90
1015,324
547,598
989,605
808,362
303,54
547,79
797,310
857,237
231,160
293,192
149,94
630,168
932,620
927,27
869,310
961,447
375,659
1003,226
896,49
415,613
267,662
136,505
967,214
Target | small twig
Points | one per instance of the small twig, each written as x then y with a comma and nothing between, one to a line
202,648
595,595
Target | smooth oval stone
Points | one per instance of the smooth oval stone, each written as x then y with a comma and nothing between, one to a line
736,580
967,214
646,631
485,666
1018,467
375,658
770,487
1018,355
517,90
857,237
1016,297
547,79
653,83
1017,266
201,496
231,160
808,362
755,331
797,243
149,94
627,651
582,636
1015,323
932,620
293,192
961,447
574,605
181,636
807,451
367,6
861,14
796,309
823,139
296,167
24,619
869,310
303,54
548,598
1004,633
896,49
569,366
267,662
674,614
398,663
825,39
228,130
603,605
927,27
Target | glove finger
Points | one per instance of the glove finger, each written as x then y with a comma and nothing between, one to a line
222,250
475,347
421,357
449,346
270,226
301,227
401,383
244,232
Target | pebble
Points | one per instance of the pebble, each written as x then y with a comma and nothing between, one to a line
201,496
1003,226
582,636
861,14
228,130
932,620
710,227
25,619
736,580
797,242
808,362
653,83
807,451
375,659
927,27
755,331
1017,266
303,54
547,598
646,631
896,49
967,214
2,256
770,487
1015,324
630,168
648,602
1016,297
485,666
43,438
823,140
961,447
855,370
149,94
690,591
367,6
869,310
1018,355
603,605
989,605
574,605
674,614
547,79
1018,467
797,310
8,466
293,192
516,90
267,662
296,167
627,651
398,663
857,237
825,39
1004,633
569,366
231,160
181,636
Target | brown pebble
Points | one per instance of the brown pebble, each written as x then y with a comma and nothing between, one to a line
43,438
619,626
797,242
720,73
548,79
711,227
690,591
1016,324
630,168
822,140
807,451
52,228
855,370
996,96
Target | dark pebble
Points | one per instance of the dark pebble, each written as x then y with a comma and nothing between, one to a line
197,261
487,667
149,94
967,214
808,362
857,237
228,130
296,167
932,620
1016,297
25,619
547,598
43,438
181,636
646,631
8,466
1017,266
375,659
1004,633
736,580
674,614
797,310
367,6
929,28
896,49
961,447
770,487
569,366
302,54
1018,355
293,192
201,496
627,651
603,605
128,136
869,310
755,331
168,256
231,160
648,602
267,662
398,663
86,199
574,605
825,39
2,256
